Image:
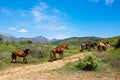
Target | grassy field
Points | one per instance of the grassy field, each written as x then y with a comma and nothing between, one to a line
108,61
39,53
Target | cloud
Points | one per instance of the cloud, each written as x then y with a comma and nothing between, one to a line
22,30
41,6
42,12
18,30
6,11
38,11
108,2
38,16
58,11
13,28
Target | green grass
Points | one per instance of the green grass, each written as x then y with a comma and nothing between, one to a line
40,53
108,61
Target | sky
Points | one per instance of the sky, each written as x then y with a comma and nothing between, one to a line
60,19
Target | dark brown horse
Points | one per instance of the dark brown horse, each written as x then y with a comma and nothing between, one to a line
23,54
90,45
58,50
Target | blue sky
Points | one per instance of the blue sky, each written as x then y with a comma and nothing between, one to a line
60,18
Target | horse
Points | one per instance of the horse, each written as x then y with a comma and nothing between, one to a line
23,54
83,46
58,50
102,46
88,46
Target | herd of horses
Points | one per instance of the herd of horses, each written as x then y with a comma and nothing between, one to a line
60,50
100,46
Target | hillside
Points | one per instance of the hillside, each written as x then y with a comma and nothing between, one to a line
78,40
112,40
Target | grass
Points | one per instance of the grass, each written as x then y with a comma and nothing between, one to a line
40,53
108,61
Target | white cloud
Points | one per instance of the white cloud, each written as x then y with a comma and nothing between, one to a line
22,30
108,2
41,6
37,15
38,11
18,30
42,12
58,11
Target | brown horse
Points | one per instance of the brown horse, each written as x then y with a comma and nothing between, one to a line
58,50
23,54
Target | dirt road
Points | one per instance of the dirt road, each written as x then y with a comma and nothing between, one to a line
46,71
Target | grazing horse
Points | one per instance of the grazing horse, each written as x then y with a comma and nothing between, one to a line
23,54
102,46
89,45
83,46
58,50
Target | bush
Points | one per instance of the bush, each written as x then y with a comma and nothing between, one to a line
117,44
89,63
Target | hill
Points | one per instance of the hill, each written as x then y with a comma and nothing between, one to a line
78,40
112,40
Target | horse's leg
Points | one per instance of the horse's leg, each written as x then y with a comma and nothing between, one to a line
12,56
15,59
55,58
23,59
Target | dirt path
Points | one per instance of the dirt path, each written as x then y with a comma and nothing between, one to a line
46,71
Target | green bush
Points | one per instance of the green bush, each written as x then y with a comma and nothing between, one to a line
118,44
89,63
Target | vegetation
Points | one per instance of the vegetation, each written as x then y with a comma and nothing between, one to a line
40,53
112,40
89,63
117,44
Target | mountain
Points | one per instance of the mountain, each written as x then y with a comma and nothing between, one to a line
7,37
42,39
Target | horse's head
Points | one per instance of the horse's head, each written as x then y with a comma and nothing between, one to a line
27,51
65,46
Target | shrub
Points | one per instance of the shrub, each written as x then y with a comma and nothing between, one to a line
118,44
89,63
